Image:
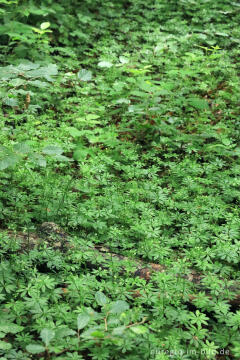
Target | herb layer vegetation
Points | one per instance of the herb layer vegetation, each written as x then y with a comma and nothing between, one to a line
120,123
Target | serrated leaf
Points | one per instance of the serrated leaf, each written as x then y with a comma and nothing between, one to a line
82,320
139,329
47,335
101,299
119,307
105,64
84,75
52,150
199,104
35,348
44,25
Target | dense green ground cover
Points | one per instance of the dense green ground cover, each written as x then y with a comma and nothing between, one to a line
120,122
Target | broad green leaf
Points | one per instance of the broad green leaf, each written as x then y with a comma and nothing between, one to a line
74,132
35,348
80,154
139,329
11,328
101,299
44,25
17,82
62,158
47,335
28,66
43,72
92,116
9,161
197,103
84,75
119,307
105,64
119,330
10,101
82,320
5,345
38,160
22,148
38,83
52,150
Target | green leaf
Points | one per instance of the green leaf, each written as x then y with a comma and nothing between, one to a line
84,75
105,64
38,83
44,25
122,101
80,154
62,158
98,334
38,160
123,60
74,132
92,116
10,101
47,335
119,307
197,103
101,299
5,345
88,333
11,328
9,161
22,148
35,348
82,320
139,329
119,330
63,332
52,150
